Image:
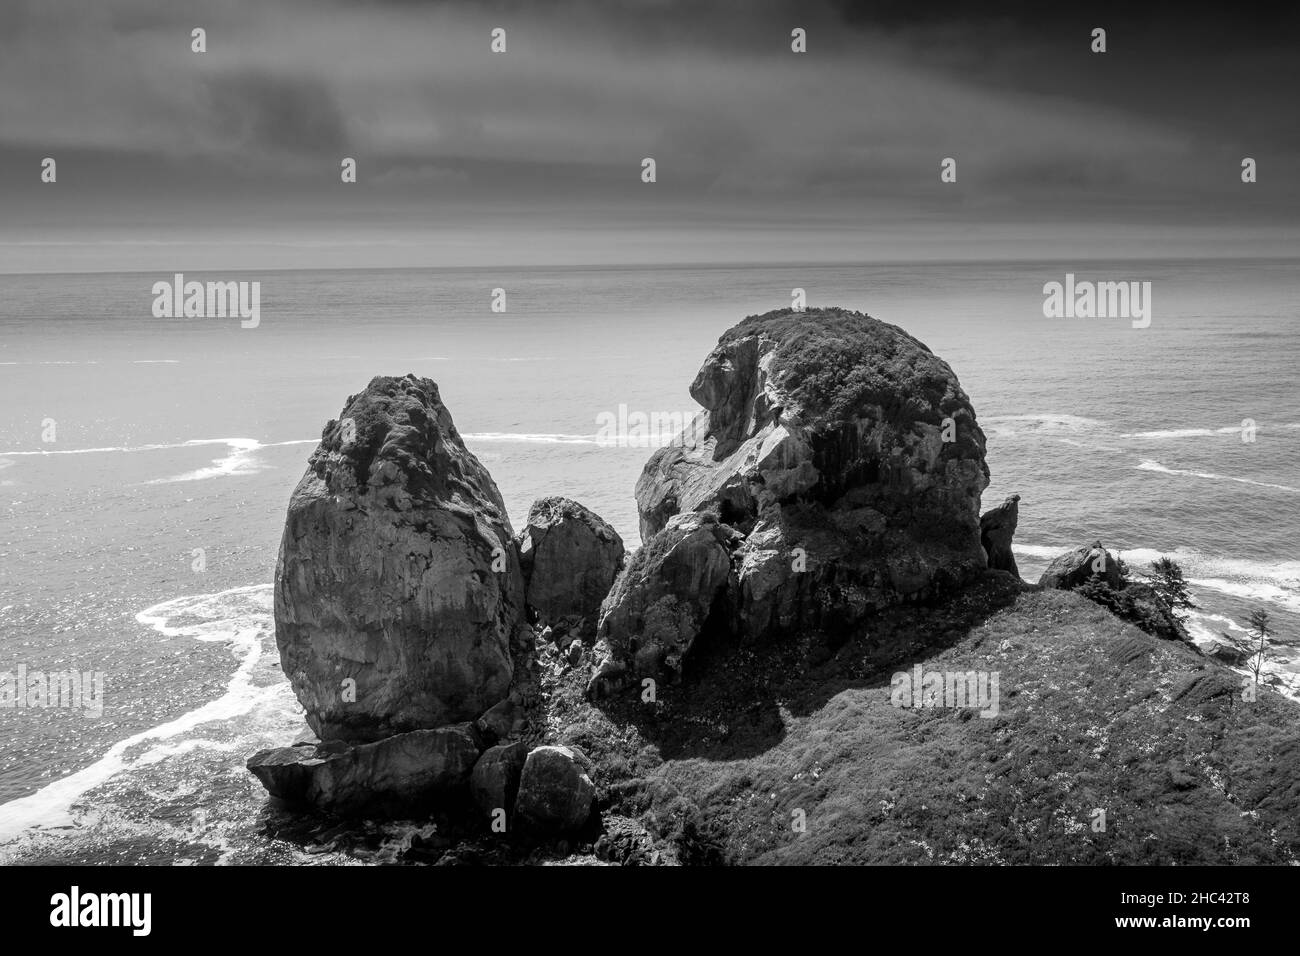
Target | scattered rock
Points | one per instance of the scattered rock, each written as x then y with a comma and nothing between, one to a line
997,528
499,721
610,676
555,793
396,572
569,556
405,773
626,842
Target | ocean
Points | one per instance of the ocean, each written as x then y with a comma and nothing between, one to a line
146,464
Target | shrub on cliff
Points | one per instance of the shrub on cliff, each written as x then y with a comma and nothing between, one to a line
1136,602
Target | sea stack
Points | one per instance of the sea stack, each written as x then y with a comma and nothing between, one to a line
997,528
840,458
399,602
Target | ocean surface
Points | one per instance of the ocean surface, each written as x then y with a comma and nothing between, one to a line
145,467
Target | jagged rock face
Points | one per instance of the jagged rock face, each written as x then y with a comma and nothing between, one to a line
1069,570
555,792
671,589
397,571
569,556
404,773
845,450
997,528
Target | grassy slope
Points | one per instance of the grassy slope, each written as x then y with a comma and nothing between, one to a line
1094,714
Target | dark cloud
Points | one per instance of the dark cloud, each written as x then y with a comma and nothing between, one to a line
260,112
1149,135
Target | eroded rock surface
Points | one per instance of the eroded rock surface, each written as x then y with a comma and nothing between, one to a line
399,602
997,528
844,459
405,773
569,556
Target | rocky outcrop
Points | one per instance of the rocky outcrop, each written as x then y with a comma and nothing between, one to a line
404,773
1226,651
1068,571
846,459
673,587
555,792
569,556
1099,576
997,528
399,602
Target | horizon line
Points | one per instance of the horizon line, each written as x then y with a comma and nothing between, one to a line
644,266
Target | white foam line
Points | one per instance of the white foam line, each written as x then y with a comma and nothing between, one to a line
1149,465
237,463
1251,591
132,448
1200,432
51,806
525,437
1185,432
1283,574
652,441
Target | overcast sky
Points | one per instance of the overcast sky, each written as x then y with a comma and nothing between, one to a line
169,159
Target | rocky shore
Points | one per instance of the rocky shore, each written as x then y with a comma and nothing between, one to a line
722,693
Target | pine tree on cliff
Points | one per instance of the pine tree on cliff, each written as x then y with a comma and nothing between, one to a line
1169,587
1259,627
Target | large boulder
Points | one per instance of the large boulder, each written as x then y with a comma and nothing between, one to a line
494,784
1073,568
555,793
405,773
997,528
845,451
1227,651
399,602
569,556
672,589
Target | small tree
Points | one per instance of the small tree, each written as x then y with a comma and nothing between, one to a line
1169,587
1260,628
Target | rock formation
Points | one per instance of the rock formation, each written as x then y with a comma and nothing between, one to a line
1096,574
671,589
399,602
569,556
1227,651
848,462
402,774
1069,570
997,528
